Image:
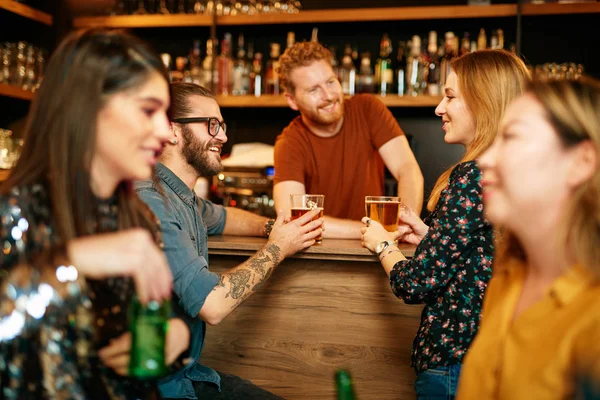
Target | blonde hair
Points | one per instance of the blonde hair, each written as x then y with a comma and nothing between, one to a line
488,81
301,54
573,110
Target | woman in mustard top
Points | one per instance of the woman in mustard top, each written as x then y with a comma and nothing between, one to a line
540,333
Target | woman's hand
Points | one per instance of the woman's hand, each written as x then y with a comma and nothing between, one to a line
117,354
374,233
127,253
411,228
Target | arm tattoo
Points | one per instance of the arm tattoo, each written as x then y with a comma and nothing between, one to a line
221,283
239,283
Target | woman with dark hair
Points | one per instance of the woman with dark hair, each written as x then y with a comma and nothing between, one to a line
77,242
453,259
539,336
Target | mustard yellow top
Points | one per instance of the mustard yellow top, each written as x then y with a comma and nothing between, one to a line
541,353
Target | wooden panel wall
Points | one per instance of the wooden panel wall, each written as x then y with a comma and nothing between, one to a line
311,318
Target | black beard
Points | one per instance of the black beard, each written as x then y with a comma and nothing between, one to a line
196,154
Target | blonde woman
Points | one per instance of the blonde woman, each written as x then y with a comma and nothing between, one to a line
453,259
541,324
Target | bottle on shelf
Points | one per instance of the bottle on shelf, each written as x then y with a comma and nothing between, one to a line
432,66
481,40
414,69
291,40
384,74
271,75
465,44
365,83
348,72
401,68
334,62
225,66
314,37
449,54
494,41
344,386
500,34
178,75
195,72
209,75
241,71
256,75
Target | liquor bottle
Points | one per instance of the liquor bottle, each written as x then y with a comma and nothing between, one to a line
195,72
241,71
500,34
256,75
314,37
209,77
271,75
449,54
148,326
179,74
414,69
465,44
348,73
344,386
291,39
384,74
494,41
400,69
335,65
365,83
481,40
432,72
225,66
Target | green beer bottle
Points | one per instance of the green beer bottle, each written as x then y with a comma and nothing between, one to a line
343,384
148,326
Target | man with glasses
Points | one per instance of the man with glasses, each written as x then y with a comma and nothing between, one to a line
198,134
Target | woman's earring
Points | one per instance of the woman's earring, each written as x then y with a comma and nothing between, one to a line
173,141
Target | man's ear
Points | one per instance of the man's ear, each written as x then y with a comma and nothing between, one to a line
175,130
291,101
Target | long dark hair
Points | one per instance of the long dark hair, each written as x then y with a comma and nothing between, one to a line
60,134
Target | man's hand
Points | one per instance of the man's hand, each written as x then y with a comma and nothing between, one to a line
296,235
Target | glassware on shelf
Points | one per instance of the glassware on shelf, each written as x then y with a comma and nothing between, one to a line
554,71
199,7
6,149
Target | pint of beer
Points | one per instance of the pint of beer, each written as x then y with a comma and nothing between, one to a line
303,203
383,209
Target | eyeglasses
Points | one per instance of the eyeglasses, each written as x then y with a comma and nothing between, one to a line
214,125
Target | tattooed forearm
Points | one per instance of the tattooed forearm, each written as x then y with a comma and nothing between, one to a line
249,277
239,283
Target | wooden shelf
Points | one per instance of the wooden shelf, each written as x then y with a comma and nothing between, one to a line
560,9
315,16
270,101
16,92
144,21
26,11
373,14
4,174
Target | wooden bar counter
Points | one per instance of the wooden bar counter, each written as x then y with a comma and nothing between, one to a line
326,308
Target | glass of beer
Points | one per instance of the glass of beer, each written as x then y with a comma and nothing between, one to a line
303,203
383,209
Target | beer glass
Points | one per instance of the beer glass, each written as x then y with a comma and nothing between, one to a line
383,209
303,203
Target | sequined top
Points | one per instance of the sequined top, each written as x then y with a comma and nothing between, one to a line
52,322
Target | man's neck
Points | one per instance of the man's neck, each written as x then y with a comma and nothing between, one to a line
324,130
182,169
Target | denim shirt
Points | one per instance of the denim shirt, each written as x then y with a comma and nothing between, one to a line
185,223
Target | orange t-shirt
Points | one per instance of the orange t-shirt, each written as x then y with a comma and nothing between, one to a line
346,167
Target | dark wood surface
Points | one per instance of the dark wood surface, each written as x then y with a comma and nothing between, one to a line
312,317
330,249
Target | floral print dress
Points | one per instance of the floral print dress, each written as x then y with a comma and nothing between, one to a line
449,272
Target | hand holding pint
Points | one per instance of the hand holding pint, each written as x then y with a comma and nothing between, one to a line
303,203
